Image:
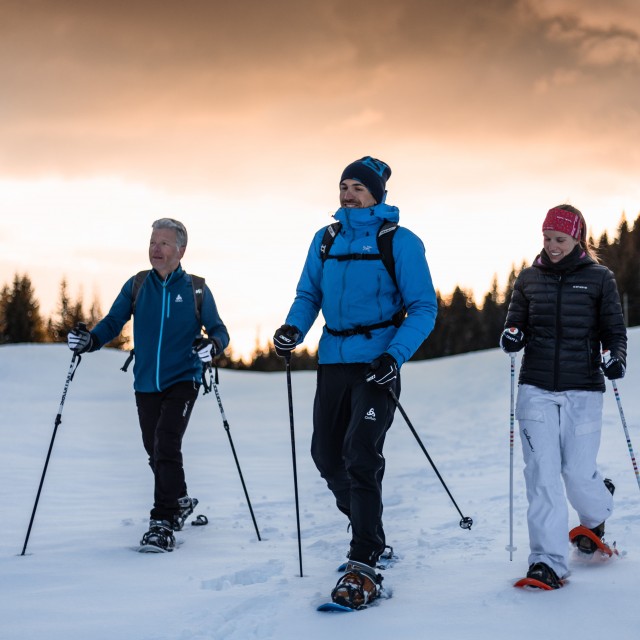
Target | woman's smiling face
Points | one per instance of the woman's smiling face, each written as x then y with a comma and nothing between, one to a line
557,244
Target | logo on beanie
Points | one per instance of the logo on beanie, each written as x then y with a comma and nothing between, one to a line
376,165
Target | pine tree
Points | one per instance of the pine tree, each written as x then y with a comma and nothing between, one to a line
69,313
20,319
4,299
492,317
464,319
433,346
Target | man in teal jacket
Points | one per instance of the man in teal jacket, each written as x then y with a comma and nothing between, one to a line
169,353
366,339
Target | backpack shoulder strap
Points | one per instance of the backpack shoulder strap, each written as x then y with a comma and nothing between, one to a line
384,239
139,278
197,282
329,237
385,246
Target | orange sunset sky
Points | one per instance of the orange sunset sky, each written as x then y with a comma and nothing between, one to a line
238,117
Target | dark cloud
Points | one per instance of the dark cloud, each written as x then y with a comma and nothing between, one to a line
128,86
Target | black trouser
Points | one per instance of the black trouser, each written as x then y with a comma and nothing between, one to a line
163,420
350,420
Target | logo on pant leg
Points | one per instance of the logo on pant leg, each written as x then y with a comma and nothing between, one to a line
528,437
370,415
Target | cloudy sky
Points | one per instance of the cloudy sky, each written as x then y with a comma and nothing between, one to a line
238,118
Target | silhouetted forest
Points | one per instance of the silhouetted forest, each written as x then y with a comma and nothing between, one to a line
461,325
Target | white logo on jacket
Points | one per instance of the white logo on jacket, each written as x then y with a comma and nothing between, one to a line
370,415
178,298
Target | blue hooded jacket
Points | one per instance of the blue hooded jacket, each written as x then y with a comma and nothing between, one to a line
164,328
354,293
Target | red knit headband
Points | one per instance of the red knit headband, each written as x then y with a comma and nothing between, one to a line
564,221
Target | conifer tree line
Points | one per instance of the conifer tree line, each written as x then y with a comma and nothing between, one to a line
461,325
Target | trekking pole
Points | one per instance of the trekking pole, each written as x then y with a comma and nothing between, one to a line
293,455
626,431
466,522
75,362
606,355
510,548
214,384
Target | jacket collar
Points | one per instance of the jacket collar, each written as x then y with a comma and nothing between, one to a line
352,217
576,259
171,277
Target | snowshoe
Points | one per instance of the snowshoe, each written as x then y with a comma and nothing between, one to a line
387,558
588,541
159,538
187,506
358,587
541,576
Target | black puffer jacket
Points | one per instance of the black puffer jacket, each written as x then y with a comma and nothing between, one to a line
568,312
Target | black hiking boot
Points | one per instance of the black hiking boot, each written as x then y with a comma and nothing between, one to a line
187,505
160,536
585,544
545,574
358,587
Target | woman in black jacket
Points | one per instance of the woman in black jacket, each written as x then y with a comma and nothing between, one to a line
565,311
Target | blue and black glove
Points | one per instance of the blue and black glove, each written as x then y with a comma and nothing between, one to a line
383,370
285,339
511,340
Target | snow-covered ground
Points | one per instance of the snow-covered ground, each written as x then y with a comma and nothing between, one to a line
81,579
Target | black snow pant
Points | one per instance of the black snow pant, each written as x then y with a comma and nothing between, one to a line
164,417
350,421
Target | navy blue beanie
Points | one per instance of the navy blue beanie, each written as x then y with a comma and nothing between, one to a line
372,173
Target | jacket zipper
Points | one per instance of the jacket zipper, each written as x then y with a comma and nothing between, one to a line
556,368
165,307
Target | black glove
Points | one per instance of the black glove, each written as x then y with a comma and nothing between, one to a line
79,339
383,370
511,340
613,368
207,348
285,339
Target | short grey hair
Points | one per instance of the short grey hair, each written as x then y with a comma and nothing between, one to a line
176,225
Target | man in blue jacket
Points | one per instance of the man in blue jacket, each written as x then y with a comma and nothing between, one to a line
373,325
169,353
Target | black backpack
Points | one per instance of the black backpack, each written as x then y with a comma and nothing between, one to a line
384,240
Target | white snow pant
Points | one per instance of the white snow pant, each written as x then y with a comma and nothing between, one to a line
560,436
